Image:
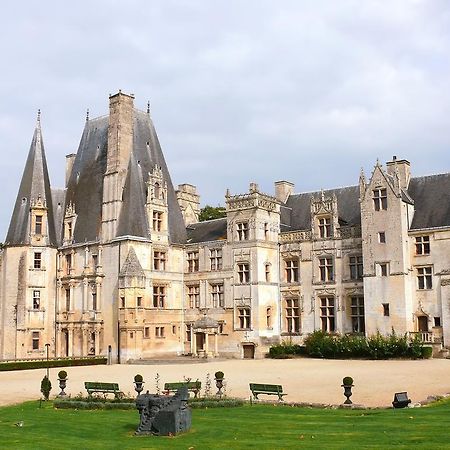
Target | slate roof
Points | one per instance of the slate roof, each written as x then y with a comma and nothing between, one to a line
296,213
85,187
210,230
35,183
431,195
132,267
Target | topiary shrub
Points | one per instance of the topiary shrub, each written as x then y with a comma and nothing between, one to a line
427,352
347,381
62,375
218,375
46,387
138,378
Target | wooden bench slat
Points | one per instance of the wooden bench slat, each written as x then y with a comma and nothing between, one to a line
105,388
269,389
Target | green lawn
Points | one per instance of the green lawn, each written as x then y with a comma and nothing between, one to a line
257,426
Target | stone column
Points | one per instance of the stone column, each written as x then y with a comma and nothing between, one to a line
216,345
99,295
85,305
206,343
85,341
97,342
193,344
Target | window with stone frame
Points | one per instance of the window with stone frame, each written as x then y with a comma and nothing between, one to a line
382,269
291,267
326,269
159,332
139,302
94,299
159,296
68,258
159,260
382,237
122,302
386,312
68,300
379,199
327,314
356,267
269,317
147,332
244,317
242,231
193,262
68,230
193,296
292,315
188,332
357,313
38,224
325,227
267,272
35,340
37,260
422,245
266,231
424,277
215,258
157,220
217,295
36,299
243,270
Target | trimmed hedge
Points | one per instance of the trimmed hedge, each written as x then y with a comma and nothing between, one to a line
199,403
286,350
79,404
43,363
324,345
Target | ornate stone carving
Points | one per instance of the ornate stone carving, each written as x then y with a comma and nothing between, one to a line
295,236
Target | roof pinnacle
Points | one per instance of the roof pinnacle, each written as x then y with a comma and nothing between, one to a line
39,117
148,107
87,115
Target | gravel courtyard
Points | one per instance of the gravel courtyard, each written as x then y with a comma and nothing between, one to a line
304,380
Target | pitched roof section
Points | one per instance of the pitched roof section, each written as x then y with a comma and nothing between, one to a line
149,156
133,218
210,230
431,195
296,213
85,186
35,183
132,267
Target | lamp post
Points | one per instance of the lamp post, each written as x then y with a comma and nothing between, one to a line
46,349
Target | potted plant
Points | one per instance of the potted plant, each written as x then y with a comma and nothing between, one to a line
46,387
218,376
62,378
138,383
347,384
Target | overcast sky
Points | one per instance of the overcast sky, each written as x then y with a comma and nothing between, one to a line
240,91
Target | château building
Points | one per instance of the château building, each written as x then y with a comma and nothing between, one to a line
117,263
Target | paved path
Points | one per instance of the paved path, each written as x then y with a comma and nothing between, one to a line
304,380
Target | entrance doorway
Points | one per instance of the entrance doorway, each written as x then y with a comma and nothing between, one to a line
422,323
249,351
200,342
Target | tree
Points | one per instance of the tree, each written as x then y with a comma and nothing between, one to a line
211,212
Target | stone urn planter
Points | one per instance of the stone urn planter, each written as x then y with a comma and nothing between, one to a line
62,379
347,384
218,376
138,383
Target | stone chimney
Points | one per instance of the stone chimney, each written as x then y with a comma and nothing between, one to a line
70,159
189,202
120,134
402,167
283,189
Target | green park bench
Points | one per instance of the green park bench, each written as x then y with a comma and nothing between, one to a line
193,386
269,389
104,388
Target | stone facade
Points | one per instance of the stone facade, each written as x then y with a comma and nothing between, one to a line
117,263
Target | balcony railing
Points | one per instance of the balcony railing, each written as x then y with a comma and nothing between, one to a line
425,336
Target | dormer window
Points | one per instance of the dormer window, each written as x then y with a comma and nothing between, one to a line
325,227
38,224
379,199
157,220
157,190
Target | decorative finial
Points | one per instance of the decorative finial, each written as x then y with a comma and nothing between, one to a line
148,107
39,116
87,115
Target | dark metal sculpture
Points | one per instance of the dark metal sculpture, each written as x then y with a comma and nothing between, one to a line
164,415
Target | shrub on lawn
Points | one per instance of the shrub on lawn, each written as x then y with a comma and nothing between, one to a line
325,345
46,387
43,363
285,350
199,403
427,352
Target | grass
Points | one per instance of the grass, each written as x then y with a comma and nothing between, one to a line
257,426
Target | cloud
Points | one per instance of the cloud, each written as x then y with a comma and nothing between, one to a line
240,91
